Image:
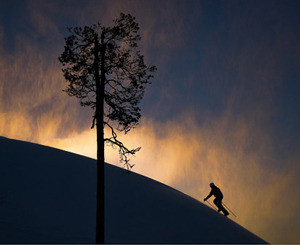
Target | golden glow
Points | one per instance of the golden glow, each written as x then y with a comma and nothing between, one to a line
180,153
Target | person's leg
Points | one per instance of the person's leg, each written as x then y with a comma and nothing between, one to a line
218,203
225,212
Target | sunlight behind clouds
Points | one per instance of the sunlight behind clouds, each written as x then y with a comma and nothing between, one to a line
222,107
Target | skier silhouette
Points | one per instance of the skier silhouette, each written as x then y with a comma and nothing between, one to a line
218,198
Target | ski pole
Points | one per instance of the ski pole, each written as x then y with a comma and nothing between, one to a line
212,205
229,209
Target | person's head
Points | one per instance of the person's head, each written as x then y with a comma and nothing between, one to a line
211,185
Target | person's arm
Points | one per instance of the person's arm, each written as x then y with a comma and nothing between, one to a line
210,194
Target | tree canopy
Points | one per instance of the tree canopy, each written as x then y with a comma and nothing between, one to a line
96,56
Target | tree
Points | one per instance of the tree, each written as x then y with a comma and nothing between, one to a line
105,70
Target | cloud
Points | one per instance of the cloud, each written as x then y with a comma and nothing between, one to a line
161,22
42,17
233,148
33,106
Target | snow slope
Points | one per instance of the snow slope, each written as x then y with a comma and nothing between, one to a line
49,196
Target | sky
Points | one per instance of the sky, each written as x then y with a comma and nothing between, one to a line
223,106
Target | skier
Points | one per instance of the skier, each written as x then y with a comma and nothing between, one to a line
218,198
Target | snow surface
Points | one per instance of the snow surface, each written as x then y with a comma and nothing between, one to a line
49,196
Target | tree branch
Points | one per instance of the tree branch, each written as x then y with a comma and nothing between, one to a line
123,150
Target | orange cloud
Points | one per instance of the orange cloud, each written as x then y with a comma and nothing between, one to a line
33,106
233,151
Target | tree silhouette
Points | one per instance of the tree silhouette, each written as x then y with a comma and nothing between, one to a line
105,70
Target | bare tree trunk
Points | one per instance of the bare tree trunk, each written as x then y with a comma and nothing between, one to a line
100,183
100,232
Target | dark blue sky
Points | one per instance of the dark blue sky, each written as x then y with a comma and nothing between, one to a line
241,56
231,67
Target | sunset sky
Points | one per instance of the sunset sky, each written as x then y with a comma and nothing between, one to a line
223,106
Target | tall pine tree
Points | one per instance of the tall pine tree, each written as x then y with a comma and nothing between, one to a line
105,70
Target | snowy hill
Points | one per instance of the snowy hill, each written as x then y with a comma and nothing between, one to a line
49,196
